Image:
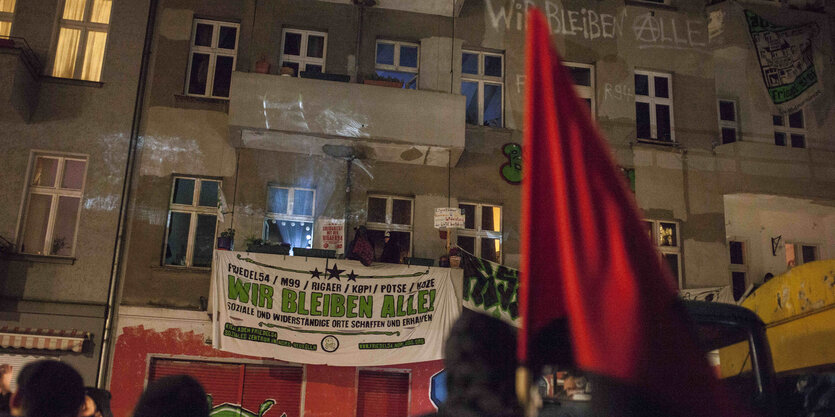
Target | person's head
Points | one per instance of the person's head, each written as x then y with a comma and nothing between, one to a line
387,236
48,388
361,233
480,361
176,395
96,403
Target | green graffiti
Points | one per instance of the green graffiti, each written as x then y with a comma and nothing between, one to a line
512,169
236,410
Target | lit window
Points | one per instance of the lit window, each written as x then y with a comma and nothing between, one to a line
654,106
192,220
290,216
728,123
390,214
792,133
211,61
482,82
398,60
304,50
82,37
6,17
583,77
482,232
665,237
53,204
800,253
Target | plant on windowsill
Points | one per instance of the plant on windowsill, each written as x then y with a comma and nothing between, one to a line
258,245
374,79
226,239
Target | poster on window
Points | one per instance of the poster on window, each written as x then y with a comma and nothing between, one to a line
490,288
330,235
326,311
786,60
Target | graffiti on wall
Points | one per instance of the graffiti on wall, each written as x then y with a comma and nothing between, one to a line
236,410
511,170
491,288
649,29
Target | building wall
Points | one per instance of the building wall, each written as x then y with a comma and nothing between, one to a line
90,119
146,333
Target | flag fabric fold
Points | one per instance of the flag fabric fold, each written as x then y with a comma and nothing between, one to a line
586,256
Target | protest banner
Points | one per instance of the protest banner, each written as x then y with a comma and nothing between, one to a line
326,311
490,288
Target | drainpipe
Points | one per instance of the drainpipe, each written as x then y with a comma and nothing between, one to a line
130,163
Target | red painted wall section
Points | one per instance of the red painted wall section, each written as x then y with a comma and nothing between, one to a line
330,391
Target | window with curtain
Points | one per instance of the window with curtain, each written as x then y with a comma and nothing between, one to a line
82,36
289,217
53,204
482,231
6,17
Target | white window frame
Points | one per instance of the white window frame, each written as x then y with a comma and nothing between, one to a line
728,124
85,26
676,250
397,67
478,233
653,101
789,131
302,59
194,209
8,17
388,225
583,91
482,79
289,216
56,192
213,51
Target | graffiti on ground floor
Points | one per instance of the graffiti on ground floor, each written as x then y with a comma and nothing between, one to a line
236,410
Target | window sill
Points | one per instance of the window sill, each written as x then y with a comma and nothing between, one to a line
201,103
72,81
46,259
488,128
650,5
182,269
655,142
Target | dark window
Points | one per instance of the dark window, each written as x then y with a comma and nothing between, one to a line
727,111
737,255
798,141
738,284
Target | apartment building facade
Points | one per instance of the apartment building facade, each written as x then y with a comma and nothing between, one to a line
70,71
260,116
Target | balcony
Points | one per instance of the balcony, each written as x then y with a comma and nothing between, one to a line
300,115
19,79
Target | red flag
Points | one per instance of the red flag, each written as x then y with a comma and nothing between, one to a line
586,256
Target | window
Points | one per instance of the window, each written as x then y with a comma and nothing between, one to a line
6,16
240,389
664,235
53,205
800,253
289,216
482,82
794,133
304,50
382,393
211,61
192,220
82,37
654,106
738,267
654,1
482,232
390,214
398,60
583,77
728,123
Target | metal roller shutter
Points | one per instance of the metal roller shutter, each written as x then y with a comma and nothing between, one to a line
283,384
249,386
383,394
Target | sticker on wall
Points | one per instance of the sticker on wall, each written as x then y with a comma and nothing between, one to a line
511,170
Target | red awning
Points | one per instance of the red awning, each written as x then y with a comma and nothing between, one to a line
45,339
